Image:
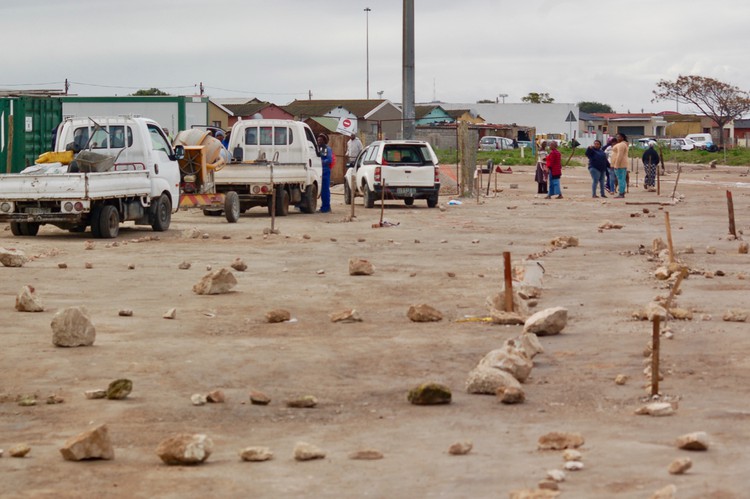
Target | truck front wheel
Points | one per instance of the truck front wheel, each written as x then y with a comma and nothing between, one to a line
162,213
109,222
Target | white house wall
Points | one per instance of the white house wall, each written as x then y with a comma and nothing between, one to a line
546,118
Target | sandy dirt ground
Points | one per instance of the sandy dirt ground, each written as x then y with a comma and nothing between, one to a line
361,372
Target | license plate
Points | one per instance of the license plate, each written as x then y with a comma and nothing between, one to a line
405,191
38,211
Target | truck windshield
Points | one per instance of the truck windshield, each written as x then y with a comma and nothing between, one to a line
158,142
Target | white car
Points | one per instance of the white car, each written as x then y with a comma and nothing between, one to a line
394,169
494,143
682,144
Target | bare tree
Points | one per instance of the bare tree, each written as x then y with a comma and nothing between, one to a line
720,101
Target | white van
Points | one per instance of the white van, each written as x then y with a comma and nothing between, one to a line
702,140
494,143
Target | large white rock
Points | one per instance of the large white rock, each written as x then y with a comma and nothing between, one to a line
28,301
487,380
510,359
528,342
71,327
360,266
307,452
91,444
215,283
547,322
12,257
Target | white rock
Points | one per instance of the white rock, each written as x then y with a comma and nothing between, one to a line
572,455
28,301
510,359
693,441
573,465
215,283
307,452
170,314
185,449
486,380
91,444
360,266
667,492
656,409
556,475
547,322
256,454
12,257
198,399
71,327
680,465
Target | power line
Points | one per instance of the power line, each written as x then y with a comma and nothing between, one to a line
30,84
126,87
251,92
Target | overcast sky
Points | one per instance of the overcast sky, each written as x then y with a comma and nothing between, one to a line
584,50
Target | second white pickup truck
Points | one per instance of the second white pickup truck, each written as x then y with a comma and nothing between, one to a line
272,159
127,170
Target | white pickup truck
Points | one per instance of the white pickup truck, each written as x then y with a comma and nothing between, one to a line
126,170
395,169
271,155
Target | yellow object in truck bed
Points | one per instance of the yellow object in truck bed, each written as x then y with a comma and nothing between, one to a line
64,157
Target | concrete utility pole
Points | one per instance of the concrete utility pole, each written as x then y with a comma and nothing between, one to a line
408,71
367,47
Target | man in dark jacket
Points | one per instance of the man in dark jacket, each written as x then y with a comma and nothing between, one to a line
650,163
598,165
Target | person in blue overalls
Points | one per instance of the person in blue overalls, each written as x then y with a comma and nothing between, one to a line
326,157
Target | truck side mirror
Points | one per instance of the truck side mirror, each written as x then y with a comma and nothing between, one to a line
179,153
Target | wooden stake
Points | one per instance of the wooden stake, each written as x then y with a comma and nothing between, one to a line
669,237
382,203
352,188
677,180
655,357
675,289
730,207
508,283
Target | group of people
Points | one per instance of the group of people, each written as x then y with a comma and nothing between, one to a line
607,166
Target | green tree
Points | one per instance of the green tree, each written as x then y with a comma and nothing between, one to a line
486,101
538,98
720,101
594,107
150,91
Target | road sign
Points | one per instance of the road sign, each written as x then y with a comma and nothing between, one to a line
347,126
571,118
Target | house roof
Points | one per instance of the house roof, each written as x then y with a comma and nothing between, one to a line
741,123
584,116
423,111
625,116
307,108
248,108
457,113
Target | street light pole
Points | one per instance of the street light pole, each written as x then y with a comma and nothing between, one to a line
367,49
503,96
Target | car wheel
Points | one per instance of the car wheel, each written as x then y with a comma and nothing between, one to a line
162,213
15,228
232,207
347,194
282,202
109,222
432,201
369,196
408,201
310,202
94,221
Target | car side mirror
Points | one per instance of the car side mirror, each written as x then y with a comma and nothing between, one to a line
179,153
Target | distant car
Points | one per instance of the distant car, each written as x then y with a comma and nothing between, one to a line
493,143
682,144
643,143
702,140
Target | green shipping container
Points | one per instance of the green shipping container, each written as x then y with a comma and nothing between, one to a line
26,128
